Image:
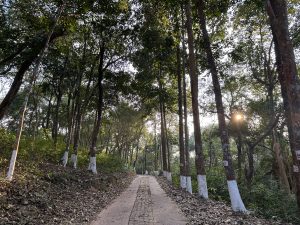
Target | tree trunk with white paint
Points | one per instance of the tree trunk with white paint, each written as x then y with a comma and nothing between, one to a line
236,200
180,113
78,118
189,187
28,92
71,105
195,105
95,134
288,78
186,129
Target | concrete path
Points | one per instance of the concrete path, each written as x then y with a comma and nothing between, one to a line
143,203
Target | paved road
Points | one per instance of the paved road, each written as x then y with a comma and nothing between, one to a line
143,203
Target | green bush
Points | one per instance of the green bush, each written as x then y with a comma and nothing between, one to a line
110,163
217,185
266,198
7,141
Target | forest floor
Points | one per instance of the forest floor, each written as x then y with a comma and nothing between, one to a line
51,194
209,212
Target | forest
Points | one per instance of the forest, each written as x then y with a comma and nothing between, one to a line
205,93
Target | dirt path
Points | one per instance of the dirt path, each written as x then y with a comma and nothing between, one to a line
143,203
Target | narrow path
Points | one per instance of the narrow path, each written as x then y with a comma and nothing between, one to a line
143,203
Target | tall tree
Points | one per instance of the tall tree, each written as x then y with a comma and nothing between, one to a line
200,167
182,162
185,107
235,197
33,78
288,78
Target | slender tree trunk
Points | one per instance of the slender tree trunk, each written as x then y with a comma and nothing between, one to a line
239,158
108,140
78,118
137,150
59,94
200,167
36,123
169,174
281,167
180,114
71,117
55,119
79,107
49,107
250,170
288,78
18,80
155,147
28,91
163,140
186,128
236,200
162,128
95,134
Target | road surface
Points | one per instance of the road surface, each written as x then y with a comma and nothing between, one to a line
143,203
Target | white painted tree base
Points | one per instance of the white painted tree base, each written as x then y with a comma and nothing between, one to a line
235,197
202,186
189,187
165,173
92,165
74,160
169,176
12,164
183,182
65,158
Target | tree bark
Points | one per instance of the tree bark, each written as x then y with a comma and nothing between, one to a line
186,128
281,167
78,118
28,91
167,139
236,201
162,127
180,114
94,138
163,139
200,166
218,95
288,78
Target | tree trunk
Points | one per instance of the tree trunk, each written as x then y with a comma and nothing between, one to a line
17,82
71,115
239,156
281,167
162,128
28,91
288,78
55,119
200,167
78,118
11,94
236,200
94,138
163,140
250,170
169,174
186,128
180,114
49,107
155,147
